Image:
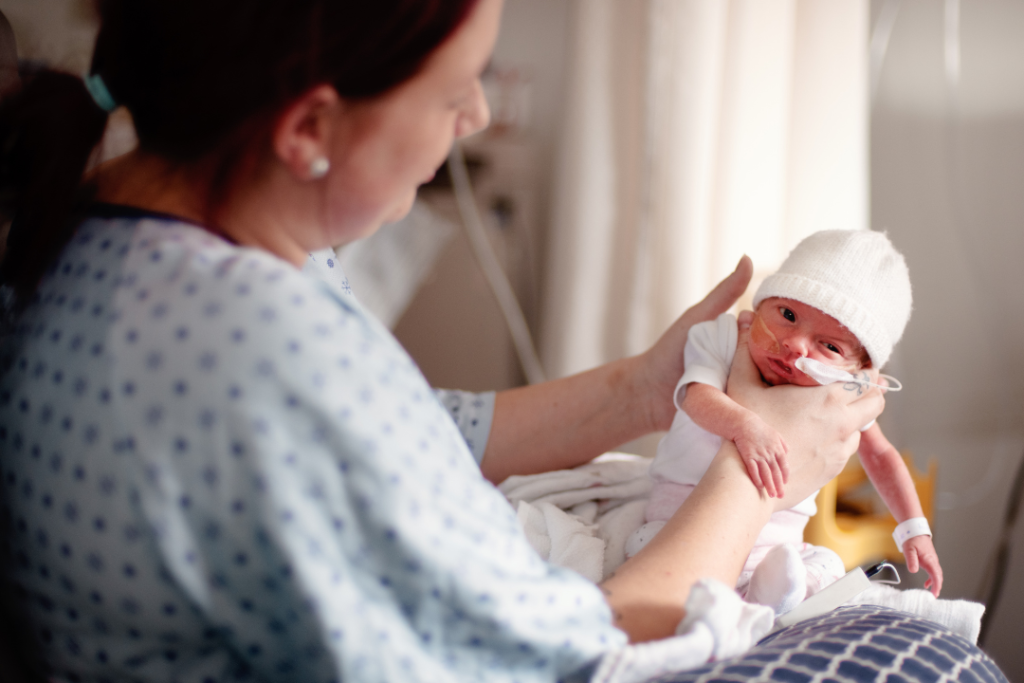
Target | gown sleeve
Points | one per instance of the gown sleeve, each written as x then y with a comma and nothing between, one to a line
472,414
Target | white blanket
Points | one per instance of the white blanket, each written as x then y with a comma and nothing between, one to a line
962,617
580,519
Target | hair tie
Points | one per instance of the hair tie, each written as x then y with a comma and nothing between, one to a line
100,94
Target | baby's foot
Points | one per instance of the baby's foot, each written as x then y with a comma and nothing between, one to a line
824,568
780,581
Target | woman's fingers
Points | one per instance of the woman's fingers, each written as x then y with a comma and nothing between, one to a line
862,404
850,445
662,365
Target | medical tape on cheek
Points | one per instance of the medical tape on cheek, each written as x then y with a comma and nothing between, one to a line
827,374
762,337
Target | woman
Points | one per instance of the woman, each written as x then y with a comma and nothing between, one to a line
217,468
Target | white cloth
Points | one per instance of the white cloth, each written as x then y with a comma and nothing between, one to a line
718,625
560,511
593,508
564,539
684,454
962,617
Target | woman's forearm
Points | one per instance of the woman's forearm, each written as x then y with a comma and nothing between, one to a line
710,536
566,422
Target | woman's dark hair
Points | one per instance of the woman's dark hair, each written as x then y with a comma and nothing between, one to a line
202,80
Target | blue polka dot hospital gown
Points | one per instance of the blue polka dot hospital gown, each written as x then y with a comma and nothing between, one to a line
218,468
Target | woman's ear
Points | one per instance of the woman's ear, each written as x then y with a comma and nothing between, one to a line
302,133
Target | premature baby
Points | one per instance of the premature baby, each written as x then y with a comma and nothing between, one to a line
841,298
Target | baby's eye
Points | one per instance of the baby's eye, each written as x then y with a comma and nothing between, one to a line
787,314
833,348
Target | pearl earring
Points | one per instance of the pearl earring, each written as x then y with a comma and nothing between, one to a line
319,167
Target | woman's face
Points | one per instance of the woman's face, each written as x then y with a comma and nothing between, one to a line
389,145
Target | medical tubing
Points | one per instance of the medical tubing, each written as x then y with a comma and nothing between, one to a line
823,373
491,268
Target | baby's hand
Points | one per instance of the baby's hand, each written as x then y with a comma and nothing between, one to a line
764,453
919,551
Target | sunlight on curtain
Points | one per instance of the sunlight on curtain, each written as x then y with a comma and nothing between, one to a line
696,131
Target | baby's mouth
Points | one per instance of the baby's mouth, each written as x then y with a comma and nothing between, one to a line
780,367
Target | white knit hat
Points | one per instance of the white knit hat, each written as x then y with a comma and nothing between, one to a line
855,276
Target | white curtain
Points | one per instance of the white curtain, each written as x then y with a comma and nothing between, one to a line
696,131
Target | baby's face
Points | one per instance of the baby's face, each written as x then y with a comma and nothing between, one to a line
784,330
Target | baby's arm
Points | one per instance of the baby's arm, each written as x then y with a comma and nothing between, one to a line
762,449
889,474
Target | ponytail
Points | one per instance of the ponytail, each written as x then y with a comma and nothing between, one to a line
48,131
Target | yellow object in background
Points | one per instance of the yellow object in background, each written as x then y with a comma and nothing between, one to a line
858,534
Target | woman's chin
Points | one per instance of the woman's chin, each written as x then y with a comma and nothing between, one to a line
399,211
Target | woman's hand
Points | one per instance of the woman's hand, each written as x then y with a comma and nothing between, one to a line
662,365
820,425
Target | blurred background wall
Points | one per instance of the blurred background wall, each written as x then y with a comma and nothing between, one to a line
947,174
944,165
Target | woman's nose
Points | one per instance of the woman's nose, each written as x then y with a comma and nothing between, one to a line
475,116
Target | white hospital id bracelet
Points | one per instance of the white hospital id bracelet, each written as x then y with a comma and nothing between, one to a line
915,526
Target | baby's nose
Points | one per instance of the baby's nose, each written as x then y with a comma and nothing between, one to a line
797,344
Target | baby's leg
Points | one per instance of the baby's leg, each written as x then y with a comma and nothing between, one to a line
666,498
823,567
